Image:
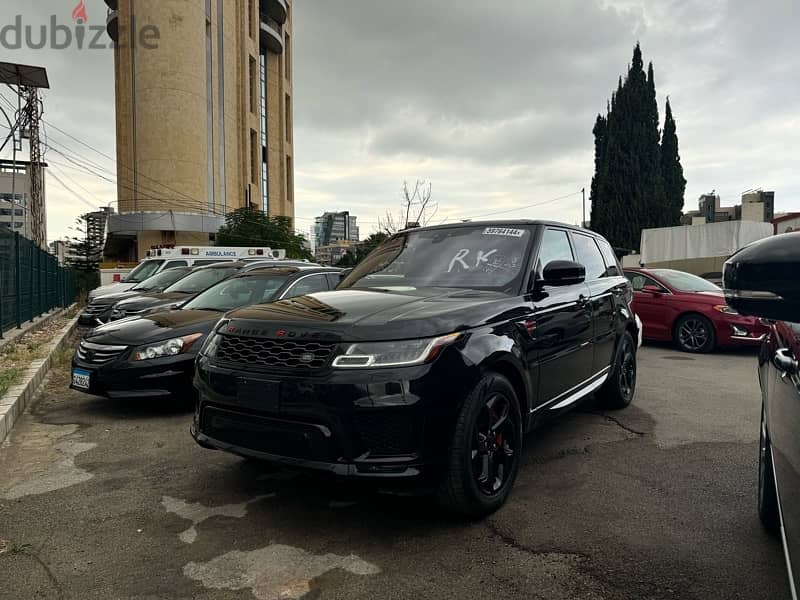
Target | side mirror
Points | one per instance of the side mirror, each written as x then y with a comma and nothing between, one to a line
761,279
563,272
653,289
345,273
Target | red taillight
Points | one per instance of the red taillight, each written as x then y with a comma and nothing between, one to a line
260,252
185,251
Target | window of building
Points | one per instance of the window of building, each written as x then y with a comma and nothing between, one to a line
255,155
288,118
264,145
555,246
289,179
287,56
254,86
588,254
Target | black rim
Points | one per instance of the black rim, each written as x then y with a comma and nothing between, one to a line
693,334
627,371
495,444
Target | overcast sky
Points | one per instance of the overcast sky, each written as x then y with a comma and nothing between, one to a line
493,103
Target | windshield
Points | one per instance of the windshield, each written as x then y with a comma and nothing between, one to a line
478,257
162,280
238,292
200,280
686,282
143,271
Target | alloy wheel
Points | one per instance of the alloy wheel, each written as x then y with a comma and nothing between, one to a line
693,334
495,444
627,371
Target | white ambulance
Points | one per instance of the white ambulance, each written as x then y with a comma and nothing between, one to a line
162,258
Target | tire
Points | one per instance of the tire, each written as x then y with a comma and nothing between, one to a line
485,452
694,333
767,495
620,387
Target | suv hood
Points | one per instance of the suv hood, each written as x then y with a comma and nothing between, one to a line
151,301
112,288
156,327
357,315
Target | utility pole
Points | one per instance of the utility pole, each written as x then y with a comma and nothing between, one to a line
583,191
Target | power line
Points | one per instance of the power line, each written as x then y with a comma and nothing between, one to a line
73,192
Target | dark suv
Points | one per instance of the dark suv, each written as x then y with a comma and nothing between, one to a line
429,362
762,280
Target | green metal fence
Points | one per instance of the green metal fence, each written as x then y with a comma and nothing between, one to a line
31,282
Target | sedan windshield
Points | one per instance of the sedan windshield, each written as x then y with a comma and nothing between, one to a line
162,280
686,282
474,257
143,271
238,292
200,280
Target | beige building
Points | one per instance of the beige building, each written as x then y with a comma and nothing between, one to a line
204,117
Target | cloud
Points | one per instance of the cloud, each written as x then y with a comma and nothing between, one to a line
492,103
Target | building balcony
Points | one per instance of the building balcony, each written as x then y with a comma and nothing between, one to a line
112,24
274,9
271,37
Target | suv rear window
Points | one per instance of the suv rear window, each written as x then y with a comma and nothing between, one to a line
588,254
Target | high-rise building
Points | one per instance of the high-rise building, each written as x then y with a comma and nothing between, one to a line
204,117
335,227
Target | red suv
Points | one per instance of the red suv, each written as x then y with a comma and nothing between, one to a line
689,310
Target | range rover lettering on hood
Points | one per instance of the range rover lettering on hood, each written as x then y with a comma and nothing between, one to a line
278,333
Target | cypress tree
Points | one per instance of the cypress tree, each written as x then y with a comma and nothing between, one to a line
674,182
627,188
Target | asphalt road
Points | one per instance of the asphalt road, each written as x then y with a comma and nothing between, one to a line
102,499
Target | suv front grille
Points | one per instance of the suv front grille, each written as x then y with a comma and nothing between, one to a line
96,308
276,354
98,354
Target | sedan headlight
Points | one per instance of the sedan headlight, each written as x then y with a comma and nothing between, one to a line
171,347
402,353
724,308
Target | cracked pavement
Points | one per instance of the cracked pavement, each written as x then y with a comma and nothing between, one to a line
102,499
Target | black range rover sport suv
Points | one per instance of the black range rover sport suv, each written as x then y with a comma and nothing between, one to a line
429,362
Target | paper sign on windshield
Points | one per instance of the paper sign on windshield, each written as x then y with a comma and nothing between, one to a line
504,231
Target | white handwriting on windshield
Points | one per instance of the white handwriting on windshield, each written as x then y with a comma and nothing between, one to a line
482,257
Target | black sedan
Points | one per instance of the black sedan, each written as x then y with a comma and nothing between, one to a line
98,311
153,356
180,292
762,280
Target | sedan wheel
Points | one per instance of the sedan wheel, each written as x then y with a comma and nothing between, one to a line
695,333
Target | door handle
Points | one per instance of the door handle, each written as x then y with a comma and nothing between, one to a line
785,362
583,301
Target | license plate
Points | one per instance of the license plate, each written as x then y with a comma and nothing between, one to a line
80,379
259,394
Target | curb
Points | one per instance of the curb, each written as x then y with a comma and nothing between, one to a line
12,335
19,396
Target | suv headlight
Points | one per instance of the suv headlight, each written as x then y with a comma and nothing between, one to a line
171,347
401,353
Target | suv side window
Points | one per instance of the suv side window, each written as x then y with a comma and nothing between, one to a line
555,246
308,285
589,256
639,280
612,264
